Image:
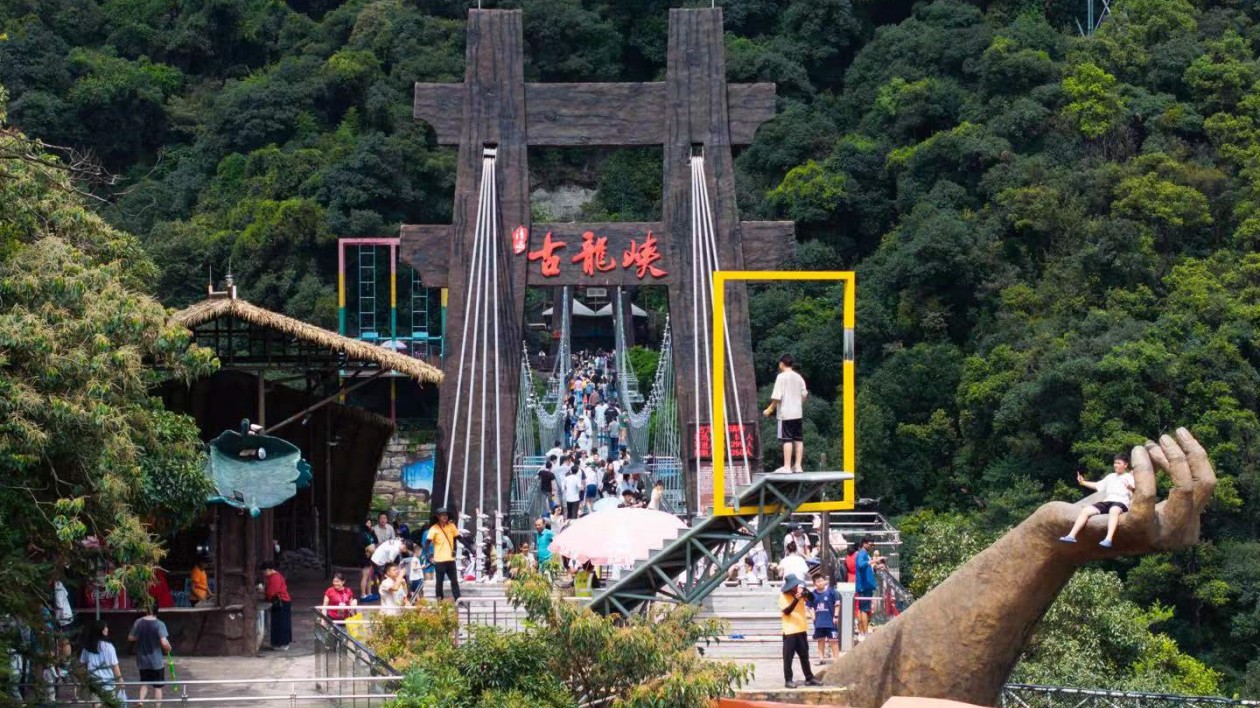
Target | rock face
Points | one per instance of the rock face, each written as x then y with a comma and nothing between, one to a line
562,204
388,493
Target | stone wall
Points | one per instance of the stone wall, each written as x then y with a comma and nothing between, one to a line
388,492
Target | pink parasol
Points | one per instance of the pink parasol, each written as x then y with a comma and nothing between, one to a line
617,536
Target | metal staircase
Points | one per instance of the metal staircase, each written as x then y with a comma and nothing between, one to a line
691,566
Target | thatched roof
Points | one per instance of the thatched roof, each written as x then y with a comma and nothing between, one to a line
213,309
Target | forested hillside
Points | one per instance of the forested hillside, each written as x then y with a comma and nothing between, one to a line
1056,236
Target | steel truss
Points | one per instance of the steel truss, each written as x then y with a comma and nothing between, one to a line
690,567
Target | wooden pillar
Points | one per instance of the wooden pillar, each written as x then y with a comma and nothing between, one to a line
697,118
493,116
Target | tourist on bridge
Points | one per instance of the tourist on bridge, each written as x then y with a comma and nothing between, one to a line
276,591
788,399
572,492
543,537
443,534
793,602
1117,490
541,505
368,539
657,500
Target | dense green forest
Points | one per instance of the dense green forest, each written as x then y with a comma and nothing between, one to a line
1055,235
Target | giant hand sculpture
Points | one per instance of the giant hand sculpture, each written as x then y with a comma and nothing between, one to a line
961,641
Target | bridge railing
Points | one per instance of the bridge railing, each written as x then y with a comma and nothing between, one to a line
1020,695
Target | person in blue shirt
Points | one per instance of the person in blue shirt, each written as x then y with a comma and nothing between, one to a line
865,586
542,531
823,608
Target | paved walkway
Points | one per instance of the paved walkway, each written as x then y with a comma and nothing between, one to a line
271,673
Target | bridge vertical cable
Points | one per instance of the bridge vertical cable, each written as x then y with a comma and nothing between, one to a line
706,261
482,361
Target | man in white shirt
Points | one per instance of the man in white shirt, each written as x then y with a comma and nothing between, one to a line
556,451
572,493
788,399
1117,490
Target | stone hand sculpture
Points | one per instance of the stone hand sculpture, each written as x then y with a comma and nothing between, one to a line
962,640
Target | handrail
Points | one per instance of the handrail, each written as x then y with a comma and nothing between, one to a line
1019,695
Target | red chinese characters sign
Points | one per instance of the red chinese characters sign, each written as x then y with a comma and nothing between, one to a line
743,441
599,258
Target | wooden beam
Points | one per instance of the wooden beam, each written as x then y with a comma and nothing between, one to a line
427,248
592,114
767,245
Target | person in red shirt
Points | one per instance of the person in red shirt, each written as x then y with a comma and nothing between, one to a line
276,590
160,590
339,596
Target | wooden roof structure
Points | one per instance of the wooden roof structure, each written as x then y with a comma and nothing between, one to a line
244,336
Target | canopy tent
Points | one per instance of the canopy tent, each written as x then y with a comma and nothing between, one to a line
578,310
607,311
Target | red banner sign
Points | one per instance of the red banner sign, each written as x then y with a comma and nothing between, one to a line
743,441
520,240
642,257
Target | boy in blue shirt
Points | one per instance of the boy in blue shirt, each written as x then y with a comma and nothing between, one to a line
823,610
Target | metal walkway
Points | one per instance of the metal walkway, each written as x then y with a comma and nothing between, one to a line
691,566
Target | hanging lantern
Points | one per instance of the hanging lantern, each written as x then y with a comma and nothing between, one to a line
520,240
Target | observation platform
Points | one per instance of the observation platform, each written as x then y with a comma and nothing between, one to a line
694,564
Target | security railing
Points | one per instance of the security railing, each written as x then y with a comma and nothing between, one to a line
1021,695
348,672
300,692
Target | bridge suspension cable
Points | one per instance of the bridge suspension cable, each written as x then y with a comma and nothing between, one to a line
481,361
704,261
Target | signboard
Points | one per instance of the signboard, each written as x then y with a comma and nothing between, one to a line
594,254
596,292
743,442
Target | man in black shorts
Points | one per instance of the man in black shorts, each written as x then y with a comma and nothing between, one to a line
150,635
788,399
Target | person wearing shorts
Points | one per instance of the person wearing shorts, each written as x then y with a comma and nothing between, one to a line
1117,490
822,607
788,400
152,643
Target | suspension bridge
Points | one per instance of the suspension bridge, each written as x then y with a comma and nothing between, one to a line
696,426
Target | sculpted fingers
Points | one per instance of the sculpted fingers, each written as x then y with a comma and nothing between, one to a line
1201,472
1178,466
1143,479
1177,514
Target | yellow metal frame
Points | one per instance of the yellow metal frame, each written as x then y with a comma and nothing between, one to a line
848,392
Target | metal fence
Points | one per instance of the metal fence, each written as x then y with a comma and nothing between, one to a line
300,692
1020,695
349,670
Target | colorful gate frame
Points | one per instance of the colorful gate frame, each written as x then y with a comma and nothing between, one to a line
848,392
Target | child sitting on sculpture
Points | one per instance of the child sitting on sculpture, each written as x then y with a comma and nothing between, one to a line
1117,490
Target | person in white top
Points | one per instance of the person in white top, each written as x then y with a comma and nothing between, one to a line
788,399
393,590
1117,490
794,563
